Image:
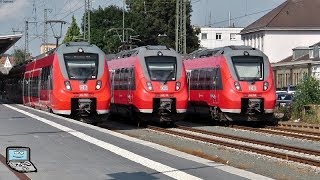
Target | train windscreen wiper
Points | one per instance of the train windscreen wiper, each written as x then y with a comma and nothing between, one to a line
167,78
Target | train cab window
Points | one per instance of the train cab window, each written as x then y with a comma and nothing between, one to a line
82,66
248,68
162,68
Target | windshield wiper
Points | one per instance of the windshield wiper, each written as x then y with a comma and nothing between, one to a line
89,75
167,78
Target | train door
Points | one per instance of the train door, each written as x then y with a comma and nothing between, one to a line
44,87
131,84
216,85
50,86
194,85
26,88
201,85
188,82
112,74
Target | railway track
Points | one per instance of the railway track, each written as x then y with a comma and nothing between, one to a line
313,136
264,151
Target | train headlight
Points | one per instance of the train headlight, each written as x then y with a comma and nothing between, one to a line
98,84
265,86
149,86
178,85
67,85
237,85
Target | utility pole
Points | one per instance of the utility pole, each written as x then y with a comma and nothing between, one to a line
26,38
125,32
34,12
86,27
181,24
45,27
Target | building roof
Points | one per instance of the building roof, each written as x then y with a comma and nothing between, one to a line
4,58
7,41
292,14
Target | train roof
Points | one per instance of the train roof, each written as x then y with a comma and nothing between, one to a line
217,51
135,51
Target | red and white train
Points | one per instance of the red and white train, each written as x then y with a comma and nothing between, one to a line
149,84
72,79
231,83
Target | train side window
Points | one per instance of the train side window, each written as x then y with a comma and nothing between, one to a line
117,80
202,79
194,79
209,79
132,79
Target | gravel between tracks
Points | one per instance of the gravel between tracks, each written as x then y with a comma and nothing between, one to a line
271,167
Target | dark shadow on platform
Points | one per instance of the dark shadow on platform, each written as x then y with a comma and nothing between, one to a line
132,176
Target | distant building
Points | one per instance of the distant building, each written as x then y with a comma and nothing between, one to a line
46,47
211,37
291,70
292,24
6,63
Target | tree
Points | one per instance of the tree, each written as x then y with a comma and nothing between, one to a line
19,56
102,21
308,92
73,31
153,23
157,19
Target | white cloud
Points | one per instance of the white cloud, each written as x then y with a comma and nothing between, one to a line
13,10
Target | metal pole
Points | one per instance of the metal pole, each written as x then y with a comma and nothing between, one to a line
123,23
177,24
184,43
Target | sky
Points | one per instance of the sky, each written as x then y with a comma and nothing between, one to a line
13,14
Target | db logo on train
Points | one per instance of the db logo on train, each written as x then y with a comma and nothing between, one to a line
252,88
83,87
164,88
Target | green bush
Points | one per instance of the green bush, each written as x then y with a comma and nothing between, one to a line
307,93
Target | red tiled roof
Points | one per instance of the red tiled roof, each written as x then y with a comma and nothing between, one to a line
292,14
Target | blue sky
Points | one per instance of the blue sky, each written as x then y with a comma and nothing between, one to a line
216,12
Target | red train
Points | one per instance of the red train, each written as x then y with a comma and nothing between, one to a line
149,83
70,80
231,83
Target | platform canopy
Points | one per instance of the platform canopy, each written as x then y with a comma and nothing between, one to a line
6,41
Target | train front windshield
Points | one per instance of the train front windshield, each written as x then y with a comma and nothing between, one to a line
82,66
248,68
162,68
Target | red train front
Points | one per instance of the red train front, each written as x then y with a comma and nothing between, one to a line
149,83
70,80
231,83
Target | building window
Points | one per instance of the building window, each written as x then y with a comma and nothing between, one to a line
218,36
204,35
232,36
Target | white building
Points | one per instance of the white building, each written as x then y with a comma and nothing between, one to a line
291,24
218,37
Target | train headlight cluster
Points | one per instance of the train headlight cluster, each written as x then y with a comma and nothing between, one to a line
178,85
265,86
237,85
67,85
149,86
98,85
